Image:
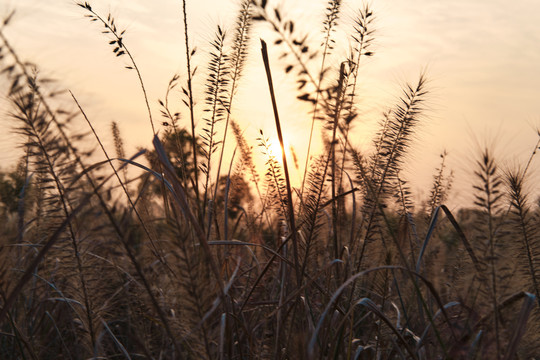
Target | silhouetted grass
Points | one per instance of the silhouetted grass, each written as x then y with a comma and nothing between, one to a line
183,261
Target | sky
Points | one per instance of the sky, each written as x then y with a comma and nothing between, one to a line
482,59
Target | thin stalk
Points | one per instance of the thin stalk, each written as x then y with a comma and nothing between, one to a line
285,167
191,108
493,271
135,67
111,28
227,188
237,66
333,152
331,22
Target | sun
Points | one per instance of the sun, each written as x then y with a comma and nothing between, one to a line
276,151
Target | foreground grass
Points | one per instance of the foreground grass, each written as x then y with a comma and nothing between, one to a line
196,258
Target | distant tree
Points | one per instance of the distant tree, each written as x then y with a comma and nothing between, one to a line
178,147
11,184
239,194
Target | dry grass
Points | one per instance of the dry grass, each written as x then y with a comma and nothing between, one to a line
196,258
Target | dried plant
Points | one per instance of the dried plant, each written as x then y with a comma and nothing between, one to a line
180,260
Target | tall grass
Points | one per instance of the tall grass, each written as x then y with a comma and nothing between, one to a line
194,257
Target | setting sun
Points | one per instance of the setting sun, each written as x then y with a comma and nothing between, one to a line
277,151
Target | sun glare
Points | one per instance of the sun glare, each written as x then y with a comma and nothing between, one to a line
275,150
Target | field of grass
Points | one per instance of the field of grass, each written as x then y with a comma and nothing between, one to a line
176,253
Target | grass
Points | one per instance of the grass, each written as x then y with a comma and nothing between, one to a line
195,258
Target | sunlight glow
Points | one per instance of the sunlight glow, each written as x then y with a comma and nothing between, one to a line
275,150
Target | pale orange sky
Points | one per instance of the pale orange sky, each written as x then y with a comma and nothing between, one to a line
482,59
